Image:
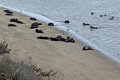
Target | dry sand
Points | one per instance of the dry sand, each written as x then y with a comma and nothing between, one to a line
68,59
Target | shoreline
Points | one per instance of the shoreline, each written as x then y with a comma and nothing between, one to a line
67,58
64,29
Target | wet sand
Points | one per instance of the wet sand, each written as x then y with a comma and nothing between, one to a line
68,59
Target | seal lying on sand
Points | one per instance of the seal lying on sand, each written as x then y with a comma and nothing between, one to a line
16,20
87,48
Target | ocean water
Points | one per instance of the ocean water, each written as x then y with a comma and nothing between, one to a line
106,38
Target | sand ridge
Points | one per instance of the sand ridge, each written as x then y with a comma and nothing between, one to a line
68,59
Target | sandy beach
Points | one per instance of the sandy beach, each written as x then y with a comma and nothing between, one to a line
68,59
